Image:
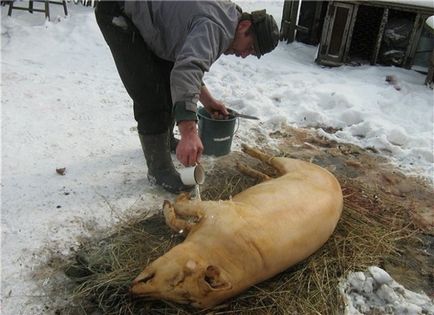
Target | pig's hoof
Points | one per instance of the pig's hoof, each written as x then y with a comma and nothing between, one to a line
184,196
167,204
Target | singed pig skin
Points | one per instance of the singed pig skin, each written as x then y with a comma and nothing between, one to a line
240,242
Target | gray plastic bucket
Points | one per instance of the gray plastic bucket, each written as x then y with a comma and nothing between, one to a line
216,134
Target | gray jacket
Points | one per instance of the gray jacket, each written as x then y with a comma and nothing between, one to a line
192,34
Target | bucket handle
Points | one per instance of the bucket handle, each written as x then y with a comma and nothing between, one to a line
238,126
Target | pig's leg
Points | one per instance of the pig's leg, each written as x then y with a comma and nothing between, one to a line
270,160
175,223
184,214
184,196
247,170
255,153
190,208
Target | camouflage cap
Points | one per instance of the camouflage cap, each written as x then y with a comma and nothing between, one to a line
265,31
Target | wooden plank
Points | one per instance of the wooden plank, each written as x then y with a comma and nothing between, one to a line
430,75
11,7
47,10
302,29
65,9
348,34
325,35
380,34
335,43
316,21
309,21
293,20
414,41
284,26
330,16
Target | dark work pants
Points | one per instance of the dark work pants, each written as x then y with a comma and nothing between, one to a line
145,76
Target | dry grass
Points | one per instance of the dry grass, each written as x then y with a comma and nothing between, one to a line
368,233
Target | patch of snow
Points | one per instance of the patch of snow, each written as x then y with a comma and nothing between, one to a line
375,291
430,22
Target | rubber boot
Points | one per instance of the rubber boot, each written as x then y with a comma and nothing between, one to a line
173,141
161,170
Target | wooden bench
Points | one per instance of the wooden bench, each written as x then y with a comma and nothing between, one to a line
31,9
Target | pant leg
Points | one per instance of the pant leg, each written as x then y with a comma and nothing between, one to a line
145,76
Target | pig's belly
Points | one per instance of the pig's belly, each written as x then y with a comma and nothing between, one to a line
263,243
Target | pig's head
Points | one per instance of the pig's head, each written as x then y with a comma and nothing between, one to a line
182,277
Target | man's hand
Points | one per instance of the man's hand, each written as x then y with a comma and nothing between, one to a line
216,108
189,149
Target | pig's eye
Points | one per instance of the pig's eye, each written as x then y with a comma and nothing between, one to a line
177,279
147,278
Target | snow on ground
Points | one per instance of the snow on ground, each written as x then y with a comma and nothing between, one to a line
63,105
375,292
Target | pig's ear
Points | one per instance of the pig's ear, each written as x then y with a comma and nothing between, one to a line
215,279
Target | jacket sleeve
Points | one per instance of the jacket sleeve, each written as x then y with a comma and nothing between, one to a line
204,43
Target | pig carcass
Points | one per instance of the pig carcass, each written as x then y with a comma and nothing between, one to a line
234,244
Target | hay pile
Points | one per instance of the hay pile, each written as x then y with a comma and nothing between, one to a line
369,232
